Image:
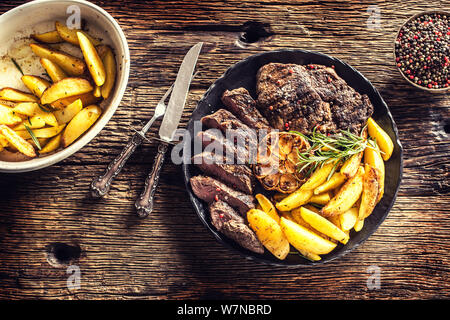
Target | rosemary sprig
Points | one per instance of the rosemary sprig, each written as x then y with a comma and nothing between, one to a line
17,65
33,137
329,149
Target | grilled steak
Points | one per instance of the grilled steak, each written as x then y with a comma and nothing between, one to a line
231,224
209,189
237,176
302,98
215,141
241,104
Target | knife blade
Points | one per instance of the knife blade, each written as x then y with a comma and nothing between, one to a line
169,125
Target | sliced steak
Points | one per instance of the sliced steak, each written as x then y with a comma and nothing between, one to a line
209,189
214,141
226,220
240,103
302,98
237,176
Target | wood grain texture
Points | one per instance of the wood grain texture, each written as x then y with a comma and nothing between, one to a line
171,255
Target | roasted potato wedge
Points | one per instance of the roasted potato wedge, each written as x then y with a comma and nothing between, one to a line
41,133
18,142
10,94
322,198
109,62
346,197
32,109
381,137
267,206
70,64
80,123
37,85
351,165
8,117
269,233
370,191
52,145
35,122
65,115
48,37
70,35
336,180
309,255
53,70
93,61
304,239
87,99
318,177
324,226
372,156
348,219
295,200
66,88
358,225
97,92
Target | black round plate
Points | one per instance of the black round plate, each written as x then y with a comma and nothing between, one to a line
243,74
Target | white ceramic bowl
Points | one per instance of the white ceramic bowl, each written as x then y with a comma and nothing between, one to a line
39,16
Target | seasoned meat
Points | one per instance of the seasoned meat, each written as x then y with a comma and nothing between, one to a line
226,220
237,176
240,103
209,189
300,98
213,139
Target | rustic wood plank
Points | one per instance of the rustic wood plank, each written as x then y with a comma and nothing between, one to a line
171,255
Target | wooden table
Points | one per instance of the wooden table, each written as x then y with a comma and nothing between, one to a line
171,255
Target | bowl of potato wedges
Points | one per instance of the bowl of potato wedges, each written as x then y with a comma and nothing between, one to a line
327,167
65,68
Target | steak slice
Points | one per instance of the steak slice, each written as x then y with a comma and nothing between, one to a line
215,141
237,176
209,189
240,103
302,99
226,220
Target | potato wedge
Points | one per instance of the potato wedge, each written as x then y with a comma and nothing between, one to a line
65,88
18,142
37,85
52,145
87,99
10,94
42,142
70,64
304,239
381,137
35,122
93,61
322,225
351,165
336,180
70,35
48,37
373,157
41,133
358,225
109,62
53,70
318,177
309,255
97,92
322,198
267,206
294,200
80,123
8,117
3,141
346,197
269,233
370,191
32,109
65,115
348,219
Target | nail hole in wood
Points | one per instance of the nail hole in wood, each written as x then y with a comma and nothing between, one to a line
61,254
447,128
254,31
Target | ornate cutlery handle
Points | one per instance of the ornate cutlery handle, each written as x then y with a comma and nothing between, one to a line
144,204
101,185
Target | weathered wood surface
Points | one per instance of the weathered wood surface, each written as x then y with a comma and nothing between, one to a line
170,254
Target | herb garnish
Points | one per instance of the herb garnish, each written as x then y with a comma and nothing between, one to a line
50,108
329,149
33,137
17,65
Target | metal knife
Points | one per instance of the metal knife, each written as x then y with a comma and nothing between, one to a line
169,124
